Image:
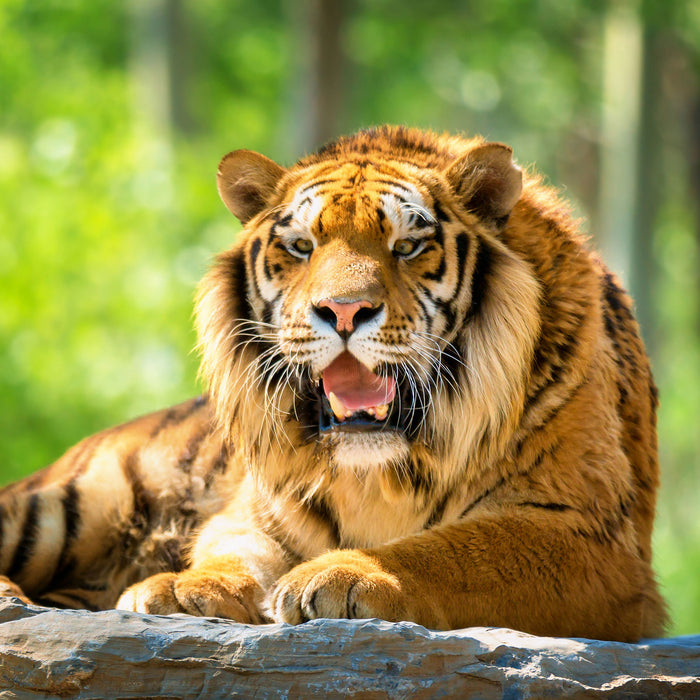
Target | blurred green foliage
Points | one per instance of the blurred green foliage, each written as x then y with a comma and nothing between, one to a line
109,212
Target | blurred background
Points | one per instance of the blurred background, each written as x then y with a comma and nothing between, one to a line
114,115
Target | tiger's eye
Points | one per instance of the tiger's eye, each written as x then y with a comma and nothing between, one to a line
303,245
405,246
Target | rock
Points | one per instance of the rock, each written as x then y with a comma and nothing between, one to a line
77,654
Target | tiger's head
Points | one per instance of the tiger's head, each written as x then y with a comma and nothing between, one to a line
370,311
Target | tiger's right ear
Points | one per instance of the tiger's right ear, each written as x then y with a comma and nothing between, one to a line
487,180
246,180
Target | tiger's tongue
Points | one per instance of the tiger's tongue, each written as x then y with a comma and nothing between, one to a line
355,385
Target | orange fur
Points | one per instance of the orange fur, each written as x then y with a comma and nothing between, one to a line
512,482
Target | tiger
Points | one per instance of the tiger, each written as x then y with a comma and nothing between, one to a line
427,400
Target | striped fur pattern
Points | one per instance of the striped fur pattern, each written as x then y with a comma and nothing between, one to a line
499,468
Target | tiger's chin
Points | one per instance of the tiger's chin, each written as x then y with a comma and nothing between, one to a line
368,450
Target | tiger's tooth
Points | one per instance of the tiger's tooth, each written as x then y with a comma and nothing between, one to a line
336,406
380,412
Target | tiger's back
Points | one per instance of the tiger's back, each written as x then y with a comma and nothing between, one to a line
587,320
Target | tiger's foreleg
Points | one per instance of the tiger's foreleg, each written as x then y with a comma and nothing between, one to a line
233,564
511,570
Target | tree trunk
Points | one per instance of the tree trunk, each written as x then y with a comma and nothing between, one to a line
322,71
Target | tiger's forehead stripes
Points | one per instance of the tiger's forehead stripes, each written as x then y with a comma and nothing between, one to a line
306,206
359,201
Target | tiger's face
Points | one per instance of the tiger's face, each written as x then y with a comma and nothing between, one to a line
361,275
368,277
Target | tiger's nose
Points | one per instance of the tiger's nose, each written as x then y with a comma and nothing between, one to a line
345,317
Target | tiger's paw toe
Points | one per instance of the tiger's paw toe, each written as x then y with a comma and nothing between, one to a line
201,593
347,585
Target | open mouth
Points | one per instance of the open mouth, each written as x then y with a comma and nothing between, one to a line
352,398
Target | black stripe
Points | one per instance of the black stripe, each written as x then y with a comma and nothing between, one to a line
272,528
424,311
170,553
482,267
616,297
381,217
448,312
553,358
463,245
284,221
549,451
68,601
267,313
440,212
27,541
71,510
392,183
281,247
71,523
547,506
482,496
267,269
439,273
189,454
253,253
438,511
142,498
142,519
318,507
177,414
218,466
437,241
84,458
420,478
384,191
450,368
168,418
305,189
239,279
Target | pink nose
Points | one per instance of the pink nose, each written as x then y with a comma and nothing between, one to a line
343,315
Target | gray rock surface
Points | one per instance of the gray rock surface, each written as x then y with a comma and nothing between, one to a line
76,654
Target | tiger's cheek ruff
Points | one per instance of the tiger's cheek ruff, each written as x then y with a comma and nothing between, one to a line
497,345
239,343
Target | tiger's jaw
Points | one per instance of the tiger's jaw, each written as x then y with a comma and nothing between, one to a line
353,398
360,414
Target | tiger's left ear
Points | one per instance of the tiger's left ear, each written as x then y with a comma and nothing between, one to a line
246,180
487,180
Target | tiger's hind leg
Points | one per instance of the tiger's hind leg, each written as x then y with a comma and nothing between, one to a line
118,507
80,598
60,549
40,528
9,589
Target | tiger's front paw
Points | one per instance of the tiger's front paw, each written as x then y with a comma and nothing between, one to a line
341,584
206,593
